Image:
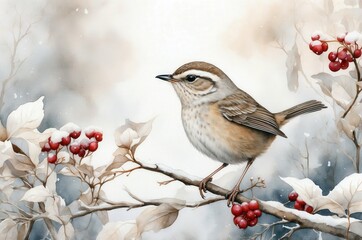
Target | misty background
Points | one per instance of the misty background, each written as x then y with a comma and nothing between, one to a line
96,61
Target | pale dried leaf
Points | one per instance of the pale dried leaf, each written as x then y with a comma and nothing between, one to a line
131,134
86,197
21,162
340,95
325,202
86,169
3,134
306,189
348,193
51,182
8,229
156,218
66,232
26,117
22,230
36,194
103,216
347,128
116,230
6,152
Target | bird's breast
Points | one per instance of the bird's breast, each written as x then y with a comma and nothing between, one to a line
220,139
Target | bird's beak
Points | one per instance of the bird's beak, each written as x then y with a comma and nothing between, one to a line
165,77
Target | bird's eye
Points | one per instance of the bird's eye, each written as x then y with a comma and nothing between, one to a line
190,78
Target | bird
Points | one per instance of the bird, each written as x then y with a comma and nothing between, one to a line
224,122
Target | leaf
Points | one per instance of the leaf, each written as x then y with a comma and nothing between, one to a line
156,218
8,229
26,117
131,134
340,95
86,169
66,232
348,193
103,216
306,189
3,134
293,65
116,230
6,151
36,194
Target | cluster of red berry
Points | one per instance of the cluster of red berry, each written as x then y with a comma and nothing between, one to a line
299,203
346,53
246,214
68,137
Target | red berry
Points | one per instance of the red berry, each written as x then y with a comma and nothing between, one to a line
334,66
237,219
357,53
253,222
342,54
84,144
242,224
332,56
236,210
344,64
257,213
317,49
349,58
244,207
250,215
324,46
253,205
45,148
98,136
308,209
65,141
90,134
75,134
93,146
298,206
315,37
81,152
53,145
341,37
293,196
74,148
52,158
300,201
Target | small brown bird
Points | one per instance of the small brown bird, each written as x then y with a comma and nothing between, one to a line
224,122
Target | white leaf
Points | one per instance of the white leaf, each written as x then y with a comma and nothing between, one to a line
26,117
6,151
8,229
348,193
306,189
66,232
36,194
156,218
126,138
341,96
3,134
116,230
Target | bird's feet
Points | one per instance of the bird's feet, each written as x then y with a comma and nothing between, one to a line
202,186
232,195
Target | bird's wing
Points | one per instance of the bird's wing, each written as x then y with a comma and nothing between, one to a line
244,110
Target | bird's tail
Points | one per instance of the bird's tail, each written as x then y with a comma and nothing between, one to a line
306,107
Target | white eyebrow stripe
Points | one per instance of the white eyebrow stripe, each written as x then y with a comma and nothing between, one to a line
200,73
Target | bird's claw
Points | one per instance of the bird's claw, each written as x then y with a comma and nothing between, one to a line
232,195
202,186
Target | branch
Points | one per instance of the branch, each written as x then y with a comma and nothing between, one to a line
276,209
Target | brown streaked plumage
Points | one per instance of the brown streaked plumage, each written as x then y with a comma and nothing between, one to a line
224,122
